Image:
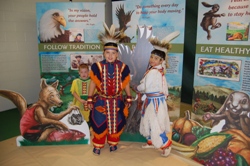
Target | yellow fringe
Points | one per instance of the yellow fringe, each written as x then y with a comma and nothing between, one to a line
99,136
125,82
125,111
117,134
112,143
98,145
95,79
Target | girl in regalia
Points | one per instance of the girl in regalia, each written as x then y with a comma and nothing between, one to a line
155,122
110,77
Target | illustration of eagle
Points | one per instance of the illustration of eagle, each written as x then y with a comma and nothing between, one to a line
50,25
124,18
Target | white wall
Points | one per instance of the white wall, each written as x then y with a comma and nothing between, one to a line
19,63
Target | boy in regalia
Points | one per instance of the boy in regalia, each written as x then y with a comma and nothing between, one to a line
110,77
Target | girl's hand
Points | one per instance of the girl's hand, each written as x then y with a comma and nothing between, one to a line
90,102
128,101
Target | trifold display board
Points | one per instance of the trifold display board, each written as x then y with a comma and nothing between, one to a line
160,17
221,83
67,36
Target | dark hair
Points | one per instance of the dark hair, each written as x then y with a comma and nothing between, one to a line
78,56
79,34
111,44
159,53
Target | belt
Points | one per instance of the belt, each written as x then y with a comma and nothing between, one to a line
109,97
154,94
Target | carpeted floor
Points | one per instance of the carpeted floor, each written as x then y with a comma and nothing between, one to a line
128,153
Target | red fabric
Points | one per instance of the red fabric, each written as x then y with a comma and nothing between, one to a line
111,140
28,121
68,135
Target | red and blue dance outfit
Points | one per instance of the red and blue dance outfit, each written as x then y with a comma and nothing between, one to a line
109,113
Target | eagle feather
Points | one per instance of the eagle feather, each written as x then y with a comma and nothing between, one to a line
164,45
110,34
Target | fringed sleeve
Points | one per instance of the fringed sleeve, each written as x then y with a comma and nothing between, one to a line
125,76
95,75
126,112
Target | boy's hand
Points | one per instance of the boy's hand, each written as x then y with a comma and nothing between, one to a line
128,101
90,102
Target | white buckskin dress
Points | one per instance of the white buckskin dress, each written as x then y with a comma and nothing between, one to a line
155,122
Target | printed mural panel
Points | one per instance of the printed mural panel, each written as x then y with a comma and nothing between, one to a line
221,103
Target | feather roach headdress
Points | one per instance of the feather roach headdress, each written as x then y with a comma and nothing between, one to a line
164,44
110,37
